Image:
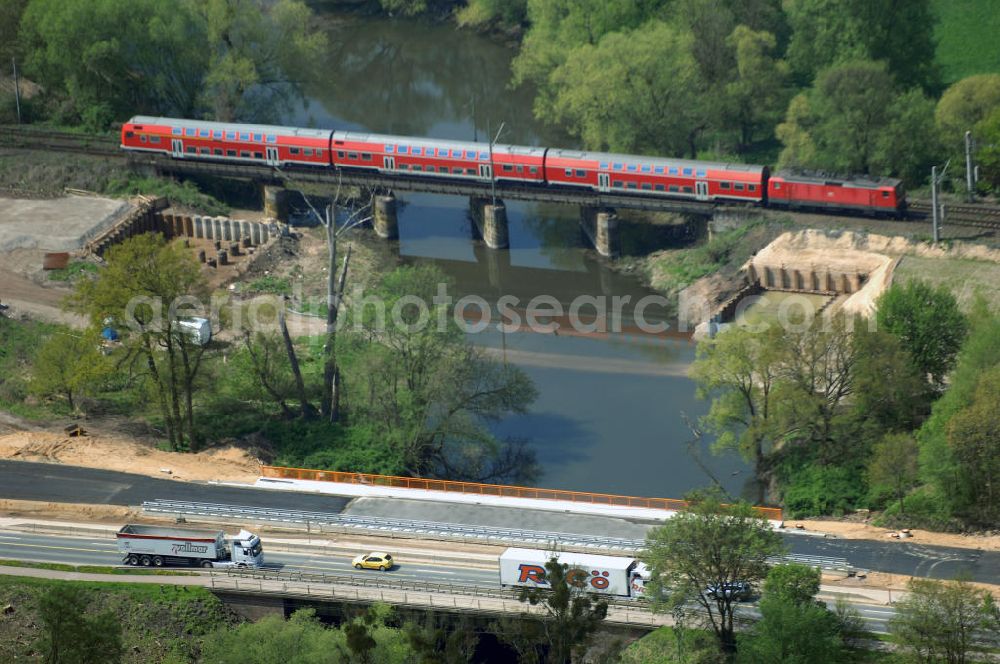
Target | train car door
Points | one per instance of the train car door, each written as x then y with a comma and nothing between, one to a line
272,156
701,191
389,163
604,182
177,148
486,171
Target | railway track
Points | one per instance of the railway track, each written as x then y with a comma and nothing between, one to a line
980,216
60,141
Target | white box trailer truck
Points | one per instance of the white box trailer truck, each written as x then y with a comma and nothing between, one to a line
156,546
606,575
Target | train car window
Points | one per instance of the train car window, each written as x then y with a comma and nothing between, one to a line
673,170
724,185
532,169
618,183
646,169
154,139
244,154
205,133
217,133
752,187
701,173
231,135
430,169
366,156
457,170
632,168
739,186
470,171
581,173
217,152
687,190
319,152
404,149
647,186
177,131
520,169
469,154
885,194
340,154
569,172
190,132
272,139
418,151
777,185
352,155
307,152
192,150
230,153
404,167
604,165
674,187
142,138
258,155
294,150
632,185
244,136
483,156
687,171
418,167
508,168
389,149
618,167
258,137
659,187
659,169
129,134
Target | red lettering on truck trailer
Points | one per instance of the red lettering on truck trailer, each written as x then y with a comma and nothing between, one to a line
534,573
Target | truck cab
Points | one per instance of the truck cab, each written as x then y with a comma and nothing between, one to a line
246,550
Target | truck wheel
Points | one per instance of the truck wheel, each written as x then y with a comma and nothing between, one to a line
358,566
158,561
132,560
146,562
206,563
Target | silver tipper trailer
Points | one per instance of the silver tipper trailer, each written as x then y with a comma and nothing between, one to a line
156,546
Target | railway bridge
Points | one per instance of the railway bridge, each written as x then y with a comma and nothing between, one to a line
597,209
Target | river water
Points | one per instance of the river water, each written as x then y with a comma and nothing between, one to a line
611,412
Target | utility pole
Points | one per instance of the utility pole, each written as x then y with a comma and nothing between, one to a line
17,90
493,175
934,202
969,172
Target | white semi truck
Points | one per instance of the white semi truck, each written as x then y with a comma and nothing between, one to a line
607,575
156,546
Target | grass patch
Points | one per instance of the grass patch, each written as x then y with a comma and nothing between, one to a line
966,279
967,37
272,285
73,271
92,569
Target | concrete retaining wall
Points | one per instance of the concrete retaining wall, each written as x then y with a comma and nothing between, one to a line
150,219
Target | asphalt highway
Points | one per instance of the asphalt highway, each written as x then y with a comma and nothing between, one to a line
72,484
16,545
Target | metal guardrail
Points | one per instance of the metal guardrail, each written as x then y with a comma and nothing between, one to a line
432,529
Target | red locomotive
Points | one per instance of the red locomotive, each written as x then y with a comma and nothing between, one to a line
461,160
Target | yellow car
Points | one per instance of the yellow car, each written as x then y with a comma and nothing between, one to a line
374,560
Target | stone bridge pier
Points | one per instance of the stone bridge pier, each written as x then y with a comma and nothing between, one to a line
490,219
600,225
385,220
275,202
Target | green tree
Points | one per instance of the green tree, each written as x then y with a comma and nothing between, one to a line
855,120
633,91
938,620
709,545
71,634
927,322
672,645
964,105
68,365
760,92
987,135
794,628
568,622
889,393
828,32
974,439
149,285
10,21
894,463
437,639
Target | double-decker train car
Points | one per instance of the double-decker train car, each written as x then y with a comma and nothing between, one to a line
655,176
860,194
628,175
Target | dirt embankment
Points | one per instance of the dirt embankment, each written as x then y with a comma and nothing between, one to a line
866,531
111,452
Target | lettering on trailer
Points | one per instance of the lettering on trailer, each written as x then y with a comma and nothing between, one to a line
188,547
578,578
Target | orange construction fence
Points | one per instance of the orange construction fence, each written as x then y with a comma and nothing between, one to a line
474,488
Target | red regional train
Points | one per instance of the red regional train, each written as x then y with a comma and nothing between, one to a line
461,160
